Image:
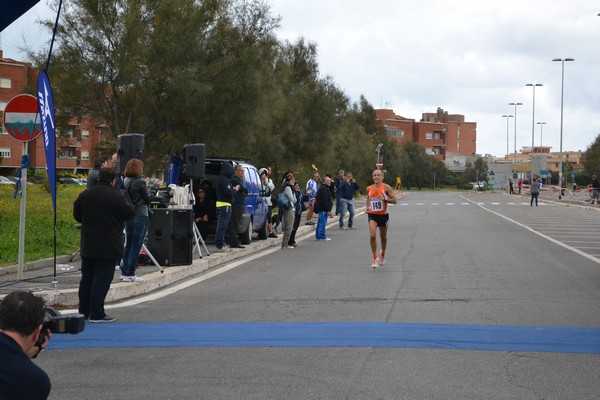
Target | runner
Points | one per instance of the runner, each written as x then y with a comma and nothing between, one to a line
379,195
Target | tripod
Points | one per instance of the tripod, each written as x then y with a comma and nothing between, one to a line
197,237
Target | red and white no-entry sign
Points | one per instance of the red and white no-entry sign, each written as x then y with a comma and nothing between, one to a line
21,119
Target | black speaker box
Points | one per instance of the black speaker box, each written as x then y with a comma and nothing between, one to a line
194,160
170,236
129,145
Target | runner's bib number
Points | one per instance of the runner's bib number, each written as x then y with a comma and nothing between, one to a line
376,204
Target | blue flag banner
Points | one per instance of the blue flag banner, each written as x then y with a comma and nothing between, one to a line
46,107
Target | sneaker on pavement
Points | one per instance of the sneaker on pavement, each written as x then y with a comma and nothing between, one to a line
132,278
327,239
272,235
106,318
223,250
351,228
381,260
374,263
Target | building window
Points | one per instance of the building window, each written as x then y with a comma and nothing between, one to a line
85,155
5,83
436,135
5,152
85,134
3,105
428,135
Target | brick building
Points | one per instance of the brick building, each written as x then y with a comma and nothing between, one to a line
445,136
77,144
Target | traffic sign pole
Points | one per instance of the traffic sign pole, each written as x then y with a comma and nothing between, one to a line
22,122
23,210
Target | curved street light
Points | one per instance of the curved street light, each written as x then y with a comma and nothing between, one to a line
562,91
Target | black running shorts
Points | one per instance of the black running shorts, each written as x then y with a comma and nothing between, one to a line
381,219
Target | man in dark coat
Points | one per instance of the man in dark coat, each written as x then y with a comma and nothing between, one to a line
224,202
239,206
323,205
102,212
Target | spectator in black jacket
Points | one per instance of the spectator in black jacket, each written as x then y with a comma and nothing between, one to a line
323,205
239,206
224,202
102,212
136,227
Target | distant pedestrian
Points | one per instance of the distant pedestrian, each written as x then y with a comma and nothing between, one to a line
534,190
287,188
102,212
311,192
346,191
595,189
323,206
520,184
336,185
511,188
298,208
379,195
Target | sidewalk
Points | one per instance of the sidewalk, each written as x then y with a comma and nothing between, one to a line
38,276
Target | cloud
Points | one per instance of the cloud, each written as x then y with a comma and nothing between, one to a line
469,57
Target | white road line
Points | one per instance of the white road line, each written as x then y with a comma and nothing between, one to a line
573,249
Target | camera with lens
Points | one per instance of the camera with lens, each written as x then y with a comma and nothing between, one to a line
59,323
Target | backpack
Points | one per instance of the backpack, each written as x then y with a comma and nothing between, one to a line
283,202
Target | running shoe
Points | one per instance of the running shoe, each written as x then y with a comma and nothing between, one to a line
381,259
374,263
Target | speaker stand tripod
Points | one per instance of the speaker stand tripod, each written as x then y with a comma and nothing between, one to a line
144,248
198,239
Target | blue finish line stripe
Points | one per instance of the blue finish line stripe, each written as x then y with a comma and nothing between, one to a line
334,334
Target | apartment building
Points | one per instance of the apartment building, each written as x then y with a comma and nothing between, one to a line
77,144
448,137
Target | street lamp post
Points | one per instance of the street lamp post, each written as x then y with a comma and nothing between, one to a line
541,124
378,150
562,91
507,117
515,154
533,85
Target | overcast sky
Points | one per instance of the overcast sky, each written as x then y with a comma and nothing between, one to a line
469,57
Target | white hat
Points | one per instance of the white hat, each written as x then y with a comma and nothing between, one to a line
262,171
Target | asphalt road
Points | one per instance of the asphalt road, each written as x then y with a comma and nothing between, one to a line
481,297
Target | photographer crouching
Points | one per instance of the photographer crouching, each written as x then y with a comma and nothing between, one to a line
22,337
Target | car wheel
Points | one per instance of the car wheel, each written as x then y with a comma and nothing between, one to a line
246,237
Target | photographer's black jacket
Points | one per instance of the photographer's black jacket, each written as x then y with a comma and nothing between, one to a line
20,378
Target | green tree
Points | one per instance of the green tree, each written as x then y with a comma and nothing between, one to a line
591,160
477,171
